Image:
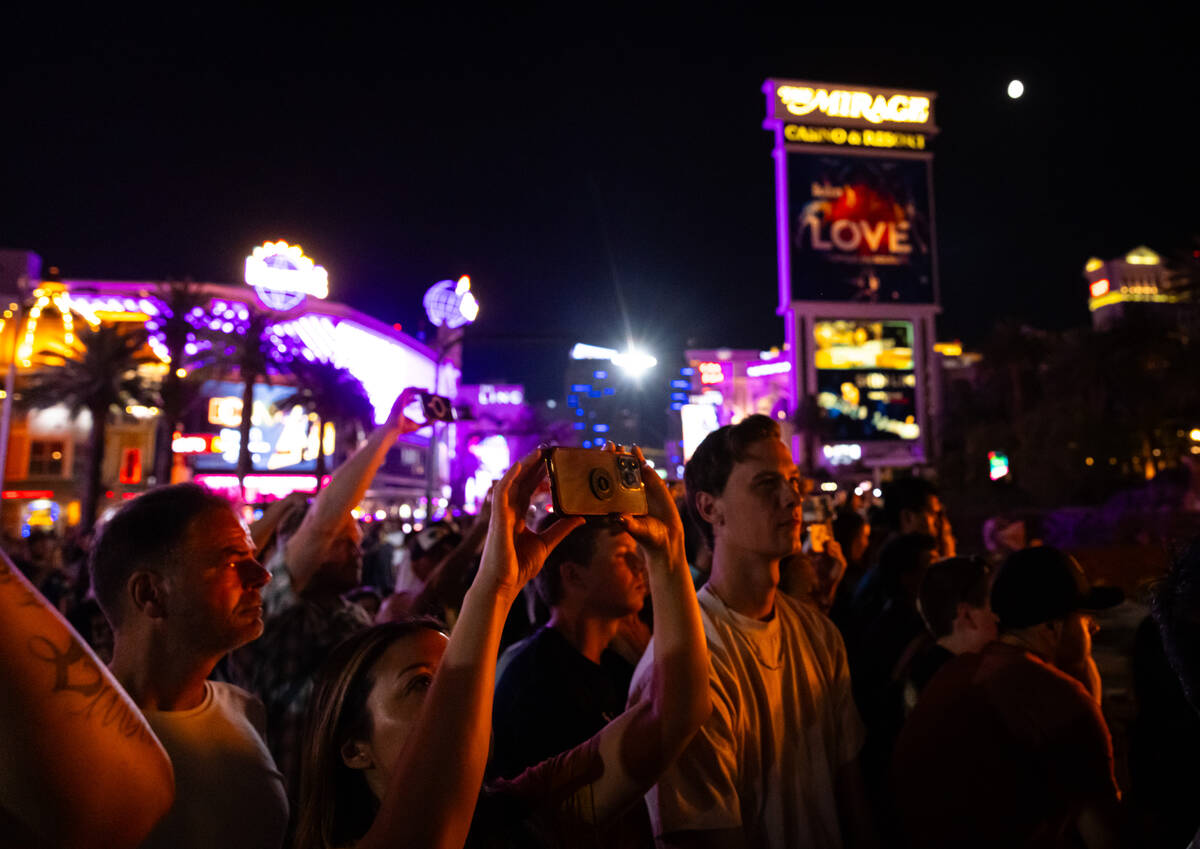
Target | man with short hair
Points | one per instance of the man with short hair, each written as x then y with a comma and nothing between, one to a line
561,685
1005,748
306,615
955,603
913,506
175,574
775,763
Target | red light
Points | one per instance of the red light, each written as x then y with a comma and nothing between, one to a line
131,466
397,326
1100,287
711,373
108,494
27,493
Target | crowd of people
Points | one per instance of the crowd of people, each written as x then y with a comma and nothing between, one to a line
712,673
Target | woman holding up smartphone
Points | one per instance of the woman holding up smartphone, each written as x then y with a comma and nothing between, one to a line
401,719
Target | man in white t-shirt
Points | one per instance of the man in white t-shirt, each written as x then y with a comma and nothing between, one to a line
175,574
775,765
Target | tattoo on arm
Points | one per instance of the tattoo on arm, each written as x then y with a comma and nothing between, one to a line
26,597
75,671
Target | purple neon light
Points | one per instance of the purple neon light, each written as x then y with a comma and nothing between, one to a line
383,365
781,221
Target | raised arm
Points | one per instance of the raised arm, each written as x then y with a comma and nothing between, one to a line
347,486
79,766
644,740
433,789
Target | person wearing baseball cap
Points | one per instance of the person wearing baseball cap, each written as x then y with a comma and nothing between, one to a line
1043,600
1007,747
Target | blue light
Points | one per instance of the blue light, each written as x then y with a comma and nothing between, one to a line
580,387
572,400
579,411
681,384
580,425
600,375
595,393
679,396
600,428
587,443
687,371
676,405
608,390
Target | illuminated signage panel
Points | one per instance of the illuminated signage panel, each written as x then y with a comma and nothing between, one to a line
866,383
842,137
283,276
768,368
699,420
505,396
281,440
850,106
860,229
997,465
711,373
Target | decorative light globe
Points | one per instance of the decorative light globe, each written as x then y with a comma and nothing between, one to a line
449,303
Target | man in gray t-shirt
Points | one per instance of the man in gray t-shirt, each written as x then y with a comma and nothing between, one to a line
175,573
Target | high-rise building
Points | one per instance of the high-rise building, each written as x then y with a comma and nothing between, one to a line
603,404
1137,284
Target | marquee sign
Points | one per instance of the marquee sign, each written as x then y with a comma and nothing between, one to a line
850,106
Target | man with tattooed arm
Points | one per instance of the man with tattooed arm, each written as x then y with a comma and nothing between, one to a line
175,574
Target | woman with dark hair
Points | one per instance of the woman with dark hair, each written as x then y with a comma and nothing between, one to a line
400,720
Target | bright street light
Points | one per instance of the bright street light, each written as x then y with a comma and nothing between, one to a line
634,362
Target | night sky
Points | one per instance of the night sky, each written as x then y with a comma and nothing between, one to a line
570,179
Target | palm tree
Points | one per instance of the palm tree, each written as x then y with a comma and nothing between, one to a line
98,373
330,393
252,353
178,302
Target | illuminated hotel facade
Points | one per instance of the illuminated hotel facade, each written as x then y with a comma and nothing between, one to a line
43,451
857,274
1123,287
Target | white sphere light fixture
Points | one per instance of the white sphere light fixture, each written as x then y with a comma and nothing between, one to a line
450,303
1015,89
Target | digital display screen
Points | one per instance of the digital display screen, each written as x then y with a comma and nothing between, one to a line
281,440
866,382
860,229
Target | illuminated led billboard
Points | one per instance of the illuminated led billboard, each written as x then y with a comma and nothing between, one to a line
280,440
860,229
866,381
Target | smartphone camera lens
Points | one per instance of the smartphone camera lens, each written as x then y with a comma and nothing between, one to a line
601,484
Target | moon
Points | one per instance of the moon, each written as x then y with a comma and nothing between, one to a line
1015,89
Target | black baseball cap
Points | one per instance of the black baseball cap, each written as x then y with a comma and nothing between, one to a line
1041,583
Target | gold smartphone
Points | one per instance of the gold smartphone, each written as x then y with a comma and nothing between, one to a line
591,482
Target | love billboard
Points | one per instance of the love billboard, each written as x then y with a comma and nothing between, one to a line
860,228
